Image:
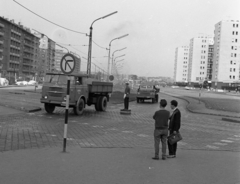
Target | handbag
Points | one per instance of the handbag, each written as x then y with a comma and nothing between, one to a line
173,138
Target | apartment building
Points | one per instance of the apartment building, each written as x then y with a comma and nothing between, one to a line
198,59
181,64
58,56
226,57
210,62
18,55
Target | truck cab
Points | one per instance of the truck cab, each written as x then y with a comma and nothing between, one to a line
81,92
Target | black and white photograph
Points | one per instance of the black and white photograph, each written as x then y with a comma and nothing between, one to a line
120,91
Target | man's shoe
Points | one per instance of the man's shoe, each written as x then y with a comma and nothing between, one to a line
171,156
155,158
163,158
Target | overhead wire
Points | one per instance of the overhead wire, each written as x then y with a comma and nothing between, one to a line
49,20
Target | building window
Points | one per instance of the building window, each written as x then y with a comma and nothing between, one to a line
230,69
230,77
233,32
233,76
230,62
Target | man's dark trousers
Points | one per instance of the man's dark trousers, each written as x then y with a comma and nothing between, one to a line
126,102
172,148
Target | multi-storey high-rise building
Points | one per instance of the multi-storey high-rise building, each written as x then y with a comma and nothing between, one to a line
210,62
198,58
226,58
181,64
58,56
17,50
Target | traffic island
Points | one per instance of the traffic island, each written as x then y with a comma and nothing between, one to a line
125,111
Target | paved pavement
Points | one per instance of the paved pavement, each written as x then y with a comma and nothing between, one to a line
106,147
117,166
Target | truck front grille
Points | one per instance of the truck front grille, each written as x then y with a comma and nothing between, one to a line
55,94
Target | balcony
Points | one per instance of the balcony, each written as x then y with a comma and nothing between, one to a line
15,62
1,41
1,33
1,58
28,44
1,25
14,54
17,33
16,40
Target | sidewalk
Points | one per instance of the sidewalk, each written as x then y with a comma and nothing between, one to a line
117,165
195,107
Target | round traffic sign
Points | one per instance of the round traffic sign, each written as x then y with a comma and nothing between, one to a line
111,77
68,63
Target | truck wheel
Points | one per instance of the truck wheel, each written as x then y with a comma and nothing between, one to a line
137,100
102,103
156,98
97,104
49,108
78,110
153,100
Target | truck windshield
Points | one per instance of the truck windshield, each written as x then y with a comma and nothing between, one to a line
58,79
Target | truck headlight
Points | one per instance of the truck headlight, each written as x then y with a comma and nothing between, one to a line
45,97
65,98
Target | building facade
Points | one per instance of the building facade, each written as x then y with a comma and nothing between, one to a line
181,64
58,56
226,57
198,58
210,62
18,54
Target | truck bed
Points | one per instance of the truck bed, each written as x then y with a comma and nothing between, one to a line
100,87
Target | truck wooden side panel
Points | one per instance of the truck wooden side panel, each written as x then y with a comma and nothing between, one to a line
100,87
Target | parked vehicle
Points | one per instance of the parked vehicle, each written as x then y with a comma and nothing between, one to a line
22,83
4,82
32,82
83,91
147,91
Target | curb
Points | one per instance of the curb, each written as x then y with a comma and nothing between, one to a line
192,111
23,109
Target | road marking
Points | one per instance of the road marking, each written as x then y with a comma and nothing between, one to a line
220,144
127,131
235,139
97,126
182,143
212,147
228,141
142,135
236,135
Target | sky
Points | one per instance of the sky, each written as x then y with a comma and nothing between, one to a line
155,27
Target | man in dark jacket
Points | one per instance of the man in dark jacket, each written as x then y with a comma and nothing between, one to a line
126,96
161,129
174,126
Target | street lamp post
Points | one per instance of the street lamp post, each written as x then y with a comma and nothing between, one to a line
113,56
110,50
90,43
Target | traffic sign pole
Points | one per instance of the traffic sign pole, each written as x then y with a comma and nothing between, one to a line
66,116
67,65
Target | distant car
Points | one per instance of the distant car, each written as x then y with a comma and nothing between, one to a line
32,82
175,86
22,83
4,82
188,88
